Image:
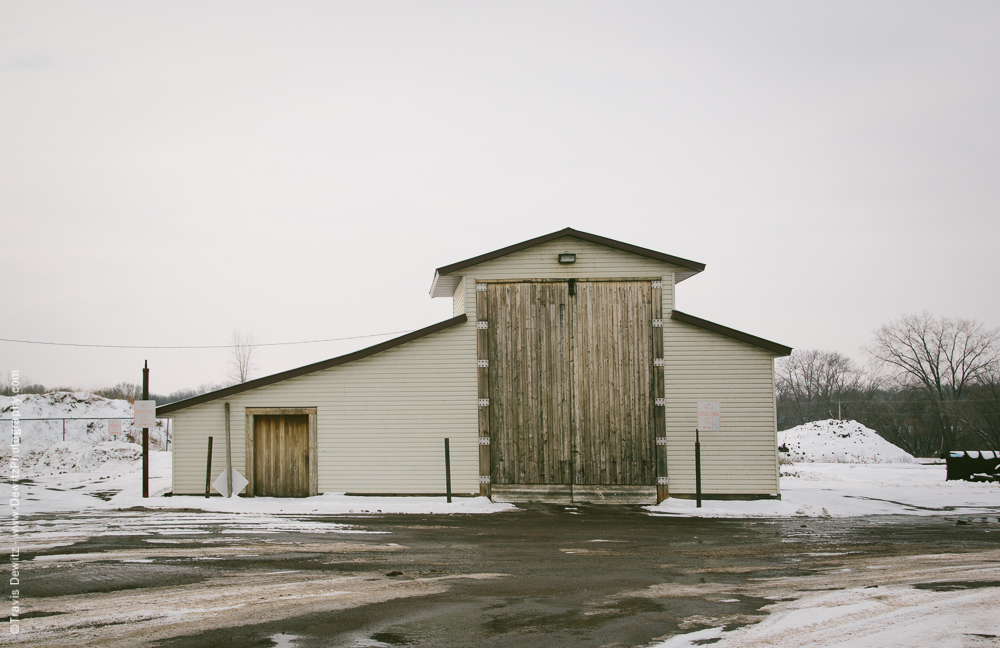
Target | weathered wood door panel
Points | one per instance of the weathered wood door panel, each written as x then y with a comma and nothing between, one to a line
529,383
281,455
570,383
612,383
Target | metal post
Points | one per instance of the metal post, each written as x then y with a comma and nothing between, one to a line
697,468
145,433
447,469
208,470
229,456
64,429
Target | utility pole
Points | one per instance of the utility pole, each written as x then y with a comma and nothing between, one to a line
145,432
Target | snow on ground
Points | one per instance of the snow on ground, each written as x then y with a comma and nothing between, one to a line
844,469
115,485
834,441
841,490
957,606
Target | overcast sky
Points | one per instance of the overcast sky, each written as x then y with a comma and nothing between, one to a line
172,171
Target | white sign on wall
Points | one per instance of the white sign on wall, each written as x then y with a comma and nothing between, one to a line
708,416
115,427
145,413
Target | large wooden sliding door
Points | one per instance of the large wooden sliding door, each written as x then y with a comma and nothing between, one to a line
570,383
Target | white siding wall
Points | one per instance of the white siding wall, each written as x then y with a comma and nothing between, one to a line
742,457
381,420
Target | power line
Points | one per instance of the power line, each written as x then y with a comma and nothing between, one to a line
204,346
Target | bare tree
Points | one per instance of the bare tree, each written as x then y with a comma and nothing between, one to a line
242,359
123,390
985,408
943,358
811,383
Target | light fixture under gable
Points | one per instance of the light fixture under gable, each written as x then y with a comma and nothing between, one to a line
567,257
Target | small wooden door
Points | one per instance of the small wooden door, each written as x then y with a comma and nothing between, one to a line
281,455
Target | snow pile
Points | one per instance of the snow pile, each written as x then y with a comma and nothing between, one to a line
77,457
88,446
38,435
834,441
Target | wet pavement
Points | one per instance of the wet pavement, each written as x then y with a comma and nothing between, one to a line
546,575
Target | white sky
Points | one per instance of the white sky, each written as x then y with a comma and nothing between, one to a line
172,171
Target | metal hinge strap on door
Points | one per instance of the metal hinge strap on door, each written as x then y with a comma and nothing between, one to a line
658,362
484,479
657,284
484,402
661,441
661,402
657,323
480,287
484,440
482,324
482,364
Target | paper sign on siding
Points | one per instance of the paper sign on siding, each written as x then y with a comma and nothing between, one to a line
708,416
115,427
145,413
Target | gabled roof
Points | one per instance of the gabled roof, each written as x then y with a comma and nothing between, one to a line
767,345
441,287
307,369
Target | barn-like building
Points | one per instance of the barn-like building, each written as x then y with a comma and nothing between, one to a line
566,375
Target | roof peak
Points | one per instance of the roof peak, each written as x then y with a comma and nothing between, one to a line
568,231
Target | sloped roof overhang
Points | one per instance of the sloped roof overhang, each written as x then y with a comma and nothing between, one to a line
767,345
310,368
445,281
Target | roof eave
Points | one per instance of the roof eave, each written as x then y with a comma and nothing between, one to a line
767,345
694,266
310,368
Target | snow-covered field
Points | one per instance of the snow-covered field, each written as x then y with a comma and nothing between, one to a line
839,490
842,468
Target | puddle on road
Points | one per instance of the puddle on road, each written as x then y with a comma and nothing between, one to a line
955,586
391,638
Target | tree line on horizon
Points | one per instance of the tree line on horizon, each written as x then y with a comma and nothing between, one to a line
127,391
930,385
